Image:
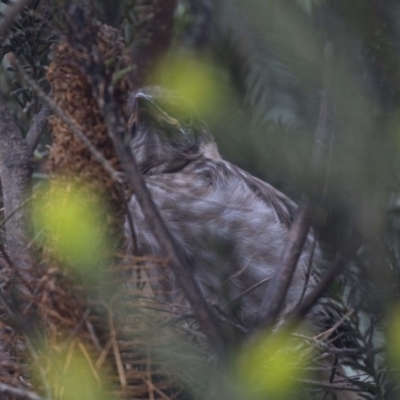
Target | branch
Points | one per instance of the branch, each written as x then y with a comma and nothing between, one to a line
103,91
274,298
332,386
39,125
15,175
311,299
18,392
155,19
205,317
17,7
67,120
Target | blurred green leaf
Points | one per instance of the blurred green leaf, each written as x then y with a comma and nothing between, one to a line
192,79
73,222
270,367
71,375
394,336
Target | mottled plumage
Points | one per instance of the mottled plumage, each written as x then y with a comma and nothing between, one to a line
231,226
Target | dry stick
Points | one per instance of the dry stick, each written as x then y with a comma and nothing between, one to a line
29,346
273,299
332,386
116,176
103,92
205,317
17,7
39,125
18,392
324,283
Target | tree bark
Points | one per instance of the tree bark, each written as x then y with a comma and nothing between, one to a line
15,176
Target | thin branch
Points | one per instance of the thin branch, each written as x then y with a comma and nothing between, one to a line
19,392
29,345
204,315
331,386
311,299
103,91
17,7
273,299
38,126
115,175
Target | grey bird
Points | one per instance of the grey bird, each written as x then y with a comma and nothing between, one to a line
231,226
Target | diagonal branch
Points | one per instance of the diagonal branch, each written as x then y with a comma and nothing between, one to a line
18,393
38,127
99,157
273,299
103,91
17,7
310,300
205,317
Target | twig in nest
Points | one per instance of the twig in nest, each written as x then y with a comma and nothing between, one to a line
117,354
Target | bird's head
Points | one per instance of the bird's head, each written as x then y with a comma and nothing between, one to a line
166,130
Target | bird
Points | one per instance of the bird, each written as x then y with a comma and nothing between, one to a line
230,226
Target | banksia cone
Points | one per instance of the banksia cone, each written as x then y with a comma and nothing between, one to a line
72,91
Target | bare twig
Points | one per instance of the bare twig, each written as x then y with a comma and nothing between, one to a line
29,345
38,127
325,282
207,320
273,299
117,353
103,91
331,386
67,120
17,7
18,392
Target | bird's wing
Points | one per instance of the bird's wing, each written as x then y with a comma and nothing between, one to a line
284,207
201,173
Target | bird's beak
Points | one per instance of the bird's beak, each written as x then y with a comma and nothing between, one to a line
145,105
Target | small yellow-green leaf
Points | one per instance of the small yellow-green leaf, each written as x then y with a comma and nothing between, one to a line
193,79
73,224
71,374
269,367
